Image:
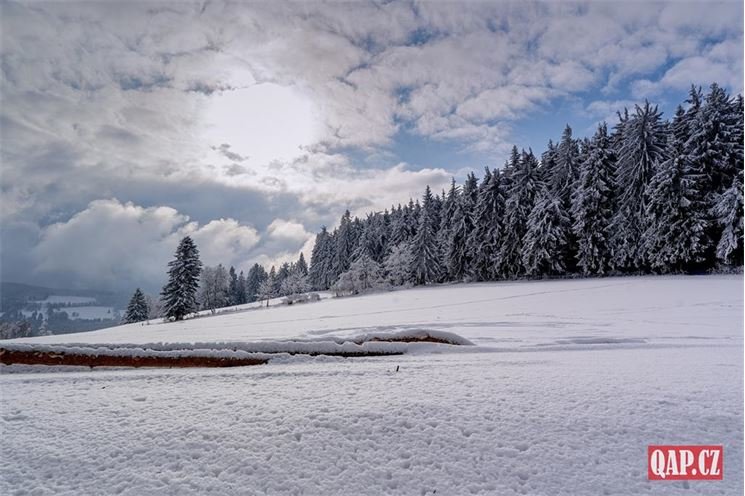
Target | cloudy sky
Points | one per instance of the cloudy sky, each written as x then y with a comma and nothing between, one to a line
125,126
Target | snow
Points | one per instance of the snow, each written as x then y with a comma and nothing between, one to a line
378,342
568,383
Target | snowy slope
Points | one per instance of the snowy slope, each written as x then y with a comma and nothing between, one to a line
568,384
550,314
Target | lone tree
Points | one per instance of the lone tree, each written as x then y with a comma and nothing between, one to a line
180,293
137,310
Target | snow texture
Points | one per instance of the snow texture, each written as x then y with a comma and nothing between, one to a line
568,384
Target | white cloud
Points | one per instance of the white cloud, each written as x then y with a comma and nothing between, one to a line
287,230
225,241
721,63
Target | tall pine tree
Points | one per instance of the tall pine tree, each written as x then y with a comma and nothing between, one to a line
426,266
137,309
180,292
676,237
545,242
483,243
458,260
521,194
592,205
643,147
320,274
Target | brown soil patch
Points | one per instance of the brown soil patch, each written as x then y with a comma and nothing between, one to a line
9,357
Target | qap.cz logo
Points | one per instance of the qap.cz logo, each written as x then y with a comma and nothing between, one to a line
685,462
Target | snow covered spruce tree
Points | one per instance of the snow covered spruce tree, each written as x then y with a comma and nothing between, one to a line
592,205
545,243
256,276
301,267
372,238
458,257
522,190
715,148
562,180
485,237
345,238
137,309
180,293
676,237
241,289
321,273
426,266
447,213
643,146
235,297
565,170
728,210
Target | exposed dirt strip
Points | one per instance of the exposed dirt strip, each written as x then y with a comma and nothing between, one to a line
26,357
9,357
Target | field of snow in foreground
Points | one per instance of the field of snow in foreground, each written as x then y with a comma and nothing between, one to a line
568,384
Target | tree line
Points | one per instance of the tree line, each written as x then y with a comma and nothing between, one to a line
649,196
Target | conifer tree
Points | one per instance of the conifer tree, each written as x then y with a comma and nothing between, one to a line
728,210
137,310
180,293
321,260
426,266
521,195
301,267
241,289
269,288
458,260
345,245
447,214
545,241
280,276
233,292
401,227
565,167
592,206
643,147
676,236
483,242
256,276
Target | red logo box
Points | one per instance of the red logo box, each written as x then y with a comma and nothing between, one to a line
672,463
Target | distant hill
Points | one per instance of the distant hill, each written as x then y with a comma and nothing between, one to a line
63,310
14,295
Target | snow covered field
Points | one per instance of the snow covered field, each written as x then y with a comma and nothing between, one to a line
568,384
